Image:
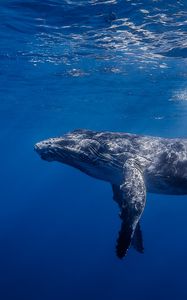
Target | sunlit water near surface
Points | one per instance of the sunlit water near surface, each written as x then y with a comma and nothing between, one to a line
102,65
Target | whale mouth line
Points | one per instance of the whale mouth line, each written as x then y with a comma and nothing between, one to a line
36,147
43,152
48,152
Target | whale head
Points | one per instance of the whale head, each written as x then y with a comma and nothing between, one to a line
78,149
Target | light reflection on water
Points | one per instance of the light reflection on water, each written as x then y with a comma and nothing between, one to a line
68,47
66,32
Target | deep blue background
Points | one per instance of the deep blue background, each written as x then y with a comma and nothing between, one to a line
102,65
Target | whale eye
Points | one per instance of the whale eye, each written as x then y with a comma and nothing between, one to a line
94,147
95,144
87,143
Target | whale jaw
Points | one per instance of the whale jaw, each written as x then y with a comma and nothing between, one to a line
43,149
62,149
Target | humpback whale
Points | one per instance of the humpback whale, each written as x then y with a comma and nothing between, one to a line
132,164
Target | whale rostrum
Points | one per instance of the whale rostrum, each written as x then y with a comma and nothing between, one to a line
132,164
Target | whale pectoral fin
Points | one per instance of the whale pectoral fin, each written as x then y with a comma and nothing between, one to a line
137,240
125,239
131,197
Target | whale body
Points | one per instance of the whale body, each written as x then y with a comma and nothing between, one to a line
131,163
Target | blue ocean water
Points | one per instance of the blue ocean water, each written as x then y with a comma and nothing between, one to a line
118,65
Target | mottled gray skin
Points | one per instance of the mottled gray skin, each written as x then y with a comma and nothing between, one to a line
131,163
